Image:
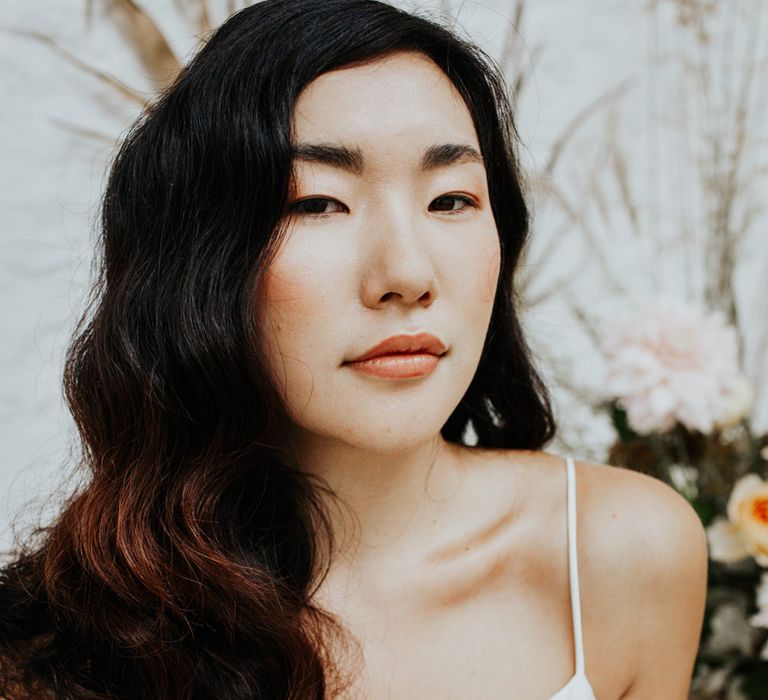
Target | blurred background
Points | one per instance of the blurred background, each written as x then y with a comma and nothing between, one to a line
645,147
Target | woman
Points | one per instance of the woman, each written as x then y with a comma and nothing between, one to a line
270,513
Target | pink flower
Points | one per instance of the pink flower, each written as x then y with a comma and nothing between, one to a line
672,362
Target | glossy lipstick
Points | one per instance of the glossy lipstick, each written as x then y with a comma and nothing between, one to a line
401,357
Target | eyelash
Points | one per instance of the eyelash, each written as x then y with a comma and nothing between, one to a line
295,207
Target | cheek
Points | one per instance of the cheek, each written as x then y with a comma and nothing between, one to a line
285,294
489,273
484,265
290,303
299,311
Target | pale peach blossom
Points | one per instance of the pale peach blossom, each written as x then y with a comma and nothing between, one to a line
745,531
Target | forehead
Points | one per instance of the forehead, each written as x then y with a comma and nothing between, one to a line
392,104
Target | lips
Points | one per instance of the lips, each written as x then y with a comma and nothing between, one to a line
397,344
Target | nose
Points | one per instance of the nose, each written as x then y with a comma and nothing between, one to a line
401,264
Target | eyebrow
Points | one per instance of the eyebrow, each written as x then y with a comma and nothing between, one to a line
352,160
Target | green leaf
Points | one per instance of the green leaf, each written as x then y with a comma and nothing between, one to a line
621,423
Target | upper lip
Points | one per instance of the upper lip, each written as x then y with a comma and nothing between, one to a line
419,342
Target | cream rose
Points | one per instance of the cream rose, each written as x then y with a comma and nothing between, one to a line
745,531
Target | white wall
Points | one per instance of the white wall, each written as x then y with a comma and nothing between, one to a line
51,179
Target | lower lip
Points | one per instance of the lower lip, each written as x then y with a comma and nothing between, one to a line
403,366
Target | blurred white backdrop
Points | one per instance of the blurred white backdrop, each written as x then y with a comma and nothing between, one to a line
620,219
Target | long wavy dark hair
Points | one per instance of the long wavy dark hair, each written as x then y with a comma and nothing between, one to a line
184,565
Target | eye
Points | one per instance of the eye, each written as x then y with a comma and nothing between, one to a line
451,199
314,206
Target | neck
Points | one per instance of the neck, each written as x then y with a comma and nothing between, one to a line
383,500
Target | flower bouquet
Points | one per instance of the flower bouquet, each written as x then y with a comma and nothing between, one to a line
680,408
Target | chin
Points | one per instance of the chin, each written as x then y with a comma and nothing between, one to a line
381,436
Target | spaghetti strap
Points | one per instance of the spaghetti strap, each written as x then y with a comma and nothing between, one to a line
578,687
573,565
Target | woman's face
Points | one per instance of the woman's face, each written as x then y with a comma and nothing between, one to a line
381,245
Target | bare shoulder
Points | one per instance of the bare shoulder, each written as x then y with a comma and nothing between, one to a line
625,518
639,522
642,554
646,547
626,521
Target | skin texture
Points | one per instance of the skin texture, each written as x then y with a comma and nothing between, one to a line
452,568
387,255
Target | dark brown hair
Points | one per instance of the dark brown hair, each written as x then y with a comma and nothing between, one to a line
183,566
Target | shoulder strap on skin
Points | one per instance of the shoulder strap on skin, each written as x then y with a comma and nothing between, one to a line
573,565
